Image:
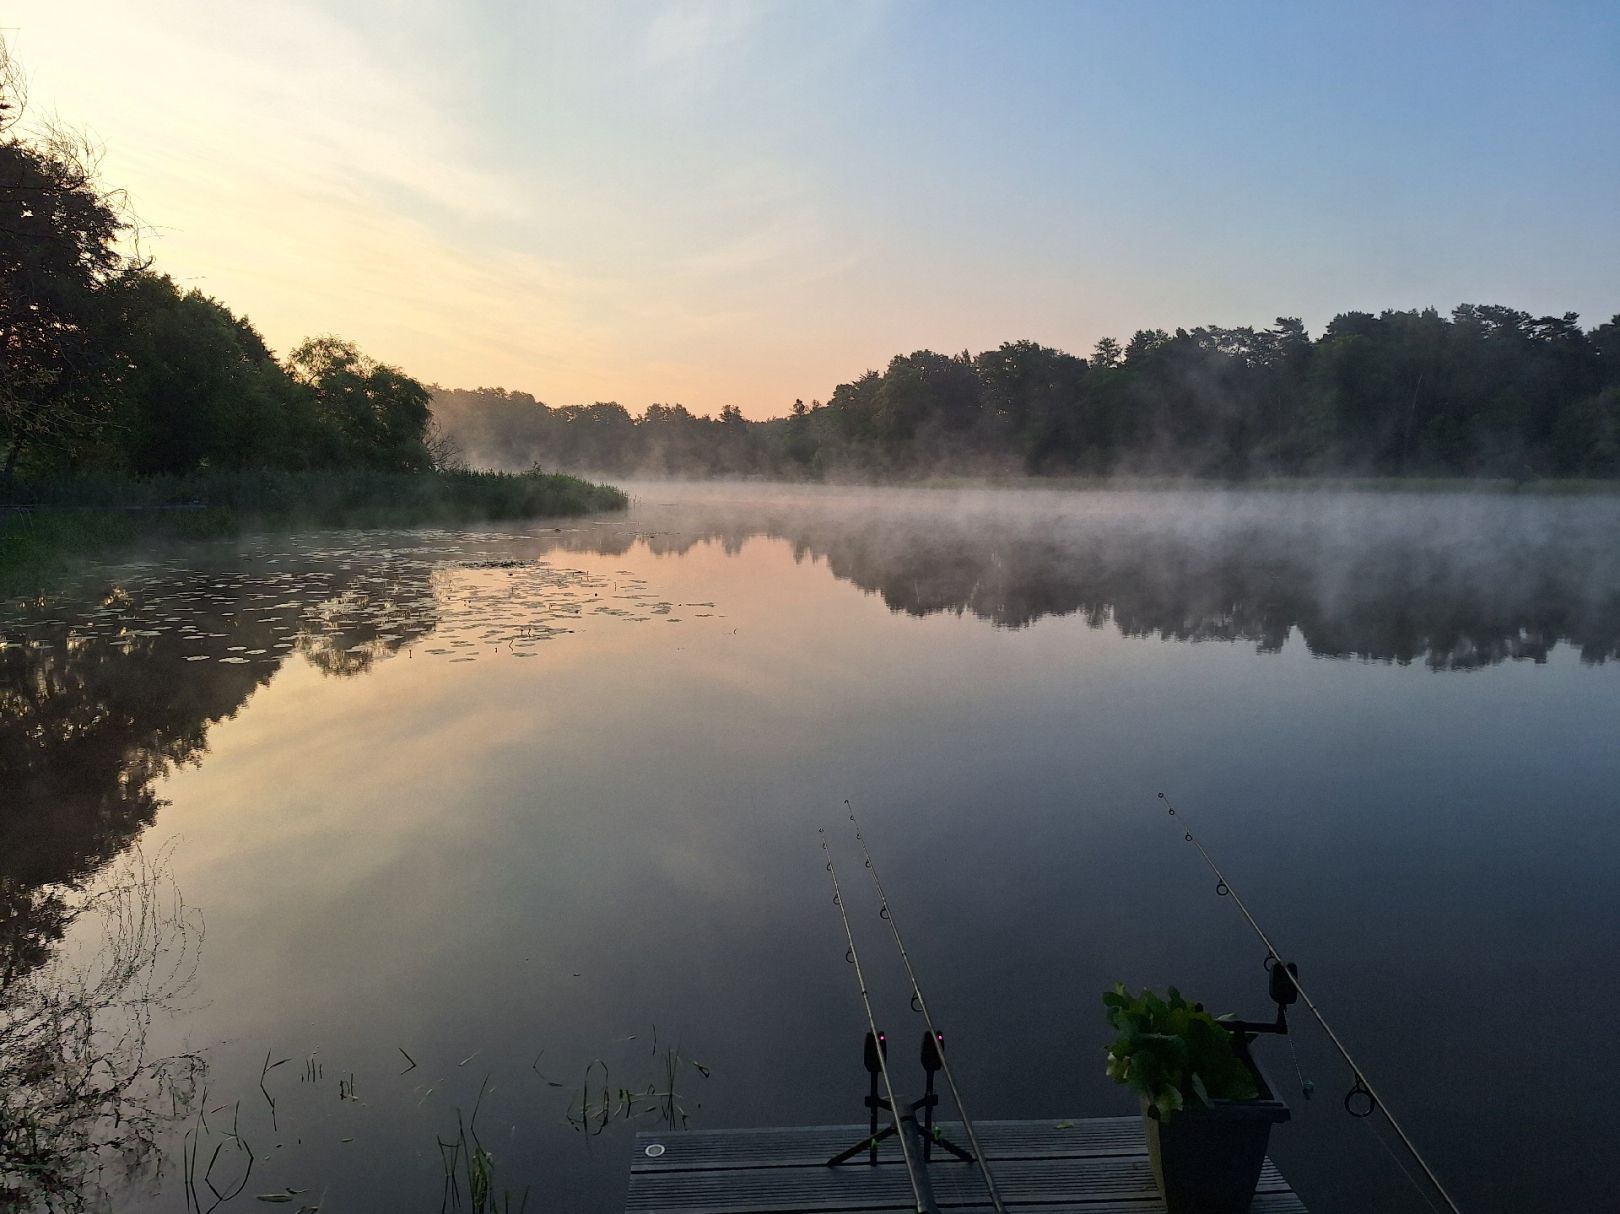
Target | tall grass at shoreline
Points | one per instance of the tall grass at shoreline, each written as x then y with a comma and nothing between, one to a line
52,523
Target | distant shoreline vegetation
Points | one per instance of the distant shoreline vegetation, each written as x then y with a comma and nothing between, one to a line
1488,393
130,408
89,516
1326,483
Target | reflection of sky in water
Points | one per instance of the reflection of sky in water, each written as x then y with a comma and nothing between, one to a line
478,861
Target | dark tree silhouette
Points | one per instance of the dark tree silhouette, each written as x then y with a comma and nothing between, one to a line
106,367
58,257
1488,392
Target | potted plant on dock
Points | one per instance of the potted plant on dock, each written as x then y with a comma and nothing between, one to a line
1206,1107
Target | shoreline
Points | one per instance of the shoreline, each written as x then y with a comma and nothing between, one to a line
76,523
1496,486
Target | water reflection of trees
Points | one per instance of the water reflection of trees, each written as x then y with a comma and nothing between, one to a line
82,1103
101,697
1455,583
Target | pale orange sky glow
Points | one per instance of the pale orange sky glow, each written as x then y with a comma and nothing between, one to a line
743,203
285,168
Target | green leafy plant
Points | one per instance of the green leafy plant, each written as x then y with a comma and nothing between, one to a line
1173,1052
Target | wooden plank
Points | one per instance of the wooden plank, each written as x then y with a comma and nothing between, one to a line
804,1145
1026,1182
1095,1166
1285,1203
801,1146
1264,1203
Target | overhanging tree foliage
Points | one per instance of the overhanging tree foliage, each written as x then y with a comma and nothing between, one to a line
106,366
58,256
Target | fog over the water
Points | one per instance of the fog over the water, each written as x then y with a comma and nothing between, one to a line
1455,580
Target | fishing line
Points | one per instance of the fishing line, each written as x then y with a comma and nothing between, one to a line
1372,1131
921,1005
877,1038
1362,1090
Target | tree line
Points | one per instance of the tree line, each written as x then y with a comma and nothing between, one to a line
1487,391
110,367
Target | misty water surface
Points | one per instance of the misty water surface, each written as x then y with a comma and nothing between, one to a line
507,804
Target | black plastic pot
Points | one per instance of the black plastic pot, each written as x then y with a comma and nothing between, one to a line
1208,1160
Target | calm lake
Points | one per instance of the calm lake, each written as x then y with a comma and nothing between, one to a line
373,821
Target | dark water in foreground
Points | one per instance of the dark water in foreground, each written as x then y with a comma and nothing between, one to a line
507,804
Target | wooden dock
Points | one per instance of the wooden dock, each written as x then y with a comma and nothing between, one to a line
1096,1166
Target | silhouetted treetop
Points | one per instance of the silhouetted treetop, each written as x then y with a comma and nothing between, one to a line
1489,391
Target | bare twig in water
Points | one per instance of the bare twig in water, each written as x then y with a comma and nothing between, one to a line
269,1099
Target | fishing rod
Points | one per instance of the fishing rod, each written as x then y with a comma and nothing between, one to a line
876,1039
921,1005
1362,1091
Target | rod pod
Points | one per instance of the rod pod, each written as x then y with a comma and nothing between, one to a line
874,1056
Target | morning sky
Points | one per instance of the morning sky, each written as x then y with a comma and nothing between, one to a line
744,203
